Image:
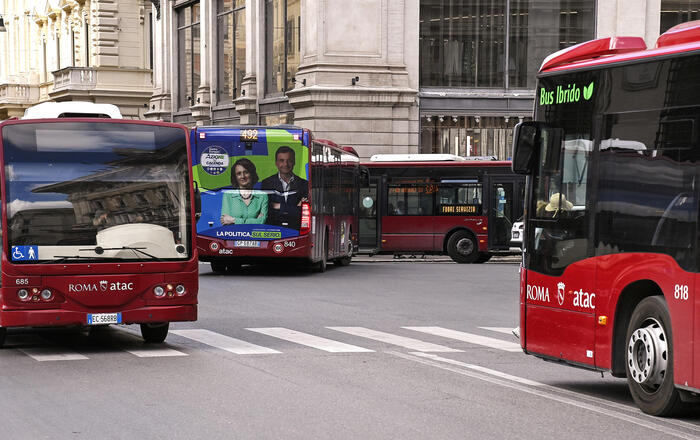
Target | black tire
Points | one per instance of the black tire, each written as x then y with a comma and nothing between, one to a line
233,267
346,260
3,335
462,247
484,257
322,265
649,358
155,333
218,267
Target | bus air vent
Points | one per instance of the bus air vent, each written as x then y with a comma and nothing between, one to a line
682,33
592,49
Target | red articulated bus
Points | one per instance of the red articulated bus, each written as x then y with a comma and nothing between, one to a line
611,253
439,204
271,193
98,222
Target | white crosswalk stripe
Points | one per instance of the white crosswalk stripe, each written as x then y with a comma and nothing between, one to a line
223,342
504,330
43,354
469,337
324,344
154,351
401,341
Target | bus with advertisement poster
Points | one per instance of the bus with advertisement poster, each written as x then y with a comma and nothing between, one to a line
271,193
609,278
439,204
98,222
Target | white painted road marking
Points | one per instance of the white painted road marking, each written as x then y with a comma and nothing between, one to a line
312,341
223,342
504,330
401,341
154,351
469,337
43,354
627,414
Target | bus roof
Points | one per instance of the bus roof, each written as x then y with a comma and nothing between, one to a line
427,158
438,164
682,38
72,109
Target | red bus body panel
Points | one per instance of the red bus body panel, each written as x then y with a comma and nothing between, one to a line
124,287
566,331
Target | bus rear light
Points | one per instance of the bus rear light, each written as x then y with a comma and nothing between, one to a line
305,219
23,294
46,295
180,290
158,291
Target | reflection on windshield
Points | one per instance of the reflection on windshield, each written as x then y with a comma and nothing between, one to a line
98,203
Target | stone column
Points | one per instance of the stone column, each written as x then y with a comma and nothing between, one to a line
160,104
359,87
629,18
201,109
247,103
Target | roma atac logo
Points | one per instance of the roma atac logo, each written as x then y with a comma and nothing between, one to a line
561,287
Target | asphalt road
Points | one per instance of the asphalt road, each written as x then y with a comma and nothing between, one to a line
381,349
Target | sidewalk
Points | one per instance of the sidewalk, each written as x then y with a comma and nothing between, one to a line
418,258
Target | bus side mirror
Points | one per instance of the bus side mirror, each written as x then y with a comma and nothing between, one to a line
524,141
364,176
197,201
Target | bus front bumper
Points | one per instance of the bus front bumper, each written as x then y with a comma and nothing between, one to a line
61,318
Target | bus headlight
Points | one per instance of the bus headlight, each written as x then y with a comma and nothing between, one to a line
23,294
180,290
159,291
46,294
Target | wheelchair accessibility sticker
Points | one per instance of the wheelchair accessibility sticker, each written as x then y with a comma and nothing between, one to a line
25,253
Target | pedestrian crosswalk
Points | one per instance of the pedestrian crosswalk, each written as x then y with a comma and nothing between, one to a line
268,341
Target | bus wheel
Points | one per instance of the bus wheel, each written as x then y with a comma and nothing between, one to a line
3,335
649,358
462,247
218,267
155,333
345,261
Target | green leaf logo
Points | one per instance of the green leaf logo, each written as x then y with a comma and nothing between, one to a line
588,92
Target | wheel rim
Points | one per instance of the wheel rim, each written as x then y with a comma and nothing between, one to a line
647,355
465,246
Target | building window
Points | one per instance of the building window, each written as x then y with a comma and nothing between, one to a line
188,54
674,12
536,33
283,44
463,44
87,44
468,135
58,52
231,48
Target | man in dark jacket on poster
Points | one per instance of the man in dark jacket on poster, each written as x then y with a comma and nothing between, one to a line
285,191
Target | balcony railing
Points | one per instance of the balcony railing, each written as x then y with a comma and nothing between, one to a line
18,93
74,78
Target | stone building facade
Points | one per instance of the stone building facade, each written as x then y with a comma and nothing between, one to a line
66,50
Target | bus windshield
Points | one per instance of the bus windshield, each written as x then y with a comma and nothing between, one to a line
96,191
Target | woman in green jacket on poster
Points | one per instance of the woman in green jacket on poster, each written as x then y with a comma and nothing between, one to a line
243,205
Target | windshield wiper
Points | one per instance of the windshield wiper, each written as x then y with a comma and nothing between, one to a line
62,258
100,250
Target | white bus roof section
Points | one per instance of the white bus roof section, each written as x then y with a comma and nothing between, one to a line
425,158
76,109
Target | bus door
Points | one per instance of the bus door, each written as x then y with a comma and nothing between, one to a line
370,215
560,296
503,211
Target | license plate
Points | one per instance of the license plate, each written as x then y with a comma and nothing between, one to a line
104,318
516,234
246,243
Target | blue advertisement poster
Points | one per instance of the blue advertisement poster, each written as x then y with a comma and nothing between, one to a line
252,182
